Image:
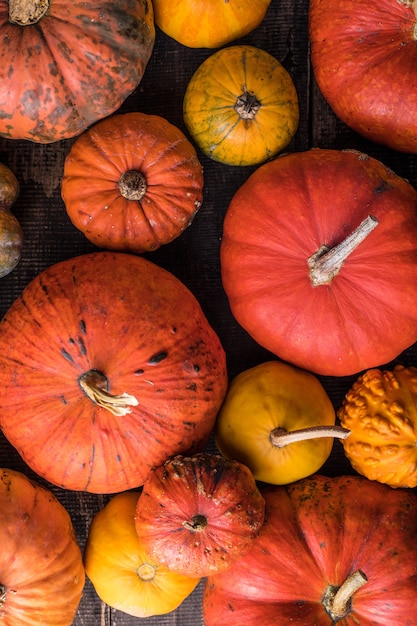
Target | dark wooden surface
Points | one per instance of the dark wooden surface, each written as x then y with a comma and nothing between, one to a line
194,257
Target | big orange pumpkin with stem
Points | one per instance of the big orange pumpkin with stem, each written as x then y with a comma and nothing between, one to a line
112,366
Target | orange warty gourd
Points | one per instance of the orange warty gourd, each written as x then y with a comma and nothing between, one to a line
41,568
208,24
123,574
65,65
140,196
241,106
332,551
198,515
11,233
319,260
111,366
380,410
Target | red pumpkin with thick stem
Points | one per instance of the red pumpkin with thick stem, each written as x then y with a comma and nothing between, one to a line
65,65
331,551
364,60
319,260
111,366
198,515
41,569
140,196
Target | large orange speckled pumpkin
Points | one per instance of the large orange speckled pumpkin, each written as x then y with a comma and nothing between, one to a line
64,65
111,366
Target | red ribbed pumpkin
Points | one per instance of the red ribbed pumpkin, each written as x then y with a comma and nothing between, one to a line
140,196
331,551
65,65
364,59
111,366
41,568
319,260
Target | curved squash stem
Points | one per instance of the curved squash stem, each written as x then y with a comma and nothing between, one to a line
341,601
27,12
119,405
280,437
326,263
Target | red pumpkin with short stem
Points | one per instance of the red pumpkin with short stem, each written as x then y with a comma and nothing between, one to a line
331,551
65,65
111,366
198,515
364,58
319,260
140,196
41,568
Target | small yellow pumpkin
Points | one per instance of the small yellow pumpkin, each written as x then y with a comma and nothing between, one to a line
208,23
241,106
122,573
380,410
279,421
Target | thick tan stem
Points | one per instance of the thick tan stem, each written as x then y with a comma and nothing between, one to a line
327,262
92,383
343,596
280,437
247,106
27,12
146,572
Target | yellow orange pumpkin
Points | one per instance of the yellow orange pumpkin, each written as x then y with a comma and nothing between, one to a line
241,106
123,574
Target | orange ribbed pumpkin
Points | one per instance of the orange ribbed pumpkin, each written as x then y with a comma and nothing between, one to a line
111,367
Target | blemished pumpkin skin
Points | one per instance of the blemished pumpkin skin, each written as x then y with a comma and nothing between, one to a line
262,406
241,106
65,65
121,571
380,411
318,532
11,233
208,24
364,56
111,366
138,197
298,294
198,515
41,569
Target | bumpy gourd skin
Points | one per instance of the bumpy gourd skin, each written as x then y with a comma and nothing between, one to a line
380,410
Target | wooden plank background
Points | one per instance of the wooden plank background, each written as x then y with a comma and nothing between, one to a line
194,257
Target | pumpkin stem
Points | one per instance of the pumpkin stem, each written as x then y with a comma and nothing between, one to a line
247,105
412,4
132,185
197,524
280,437
146,572
337,600
27,12
3,592
94,385
327,262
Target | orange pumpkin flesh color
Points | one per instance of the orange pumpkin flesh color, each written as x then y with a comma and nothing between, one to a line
380,411
48,42
122,573
319,260
138,197
198,515
111,366
41,569
332,551
208,23
279,421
